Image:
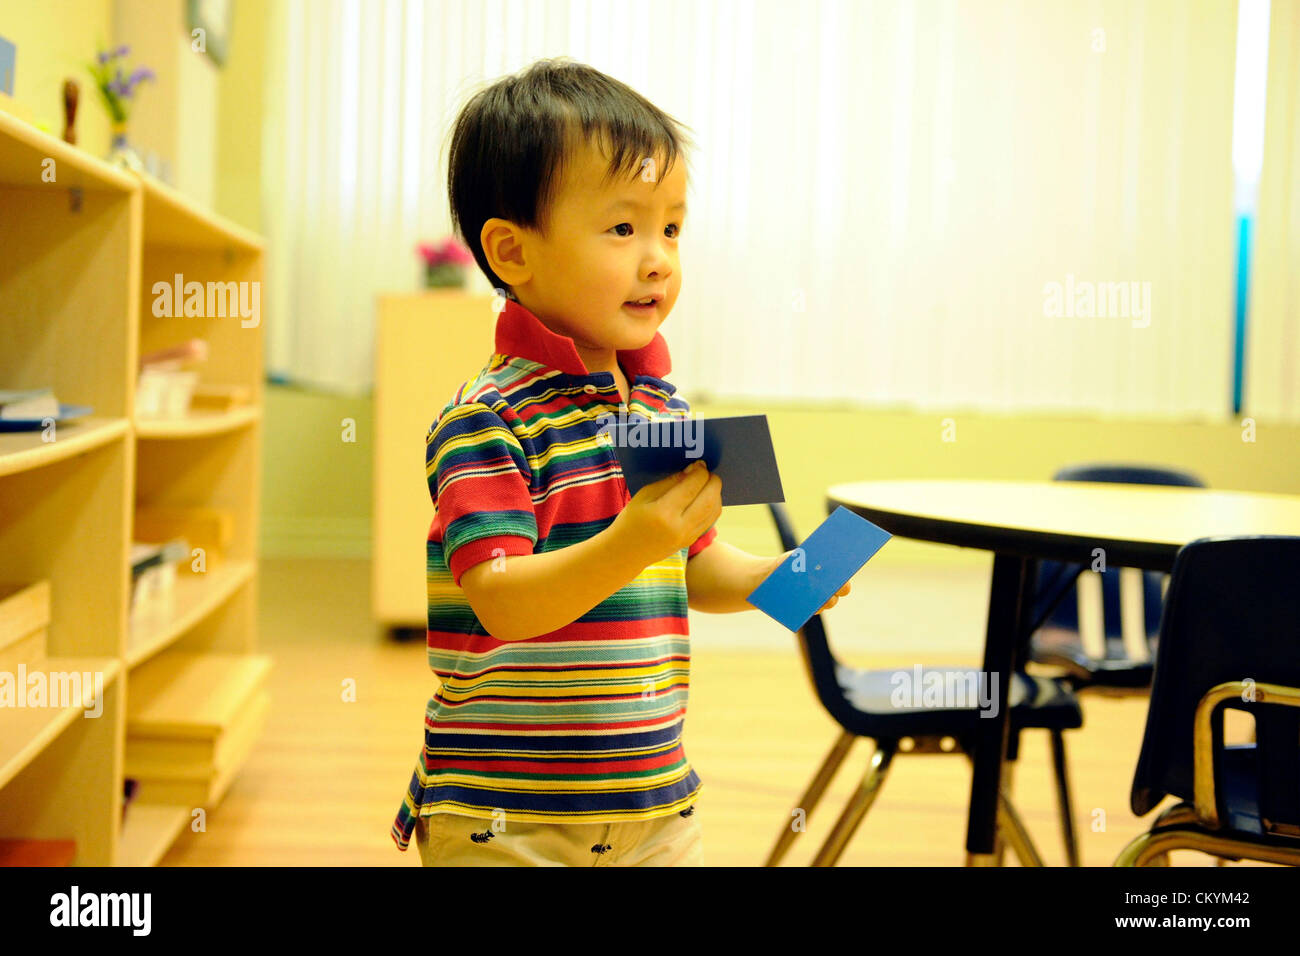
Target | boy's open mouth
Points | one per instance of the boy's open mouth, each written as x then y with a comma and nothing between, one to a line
645,305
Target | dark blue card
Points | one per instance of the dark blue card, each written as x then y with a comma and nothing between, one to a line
818,568
737,448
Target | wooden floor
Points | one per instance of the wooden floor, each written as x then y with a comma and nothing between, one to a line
327,778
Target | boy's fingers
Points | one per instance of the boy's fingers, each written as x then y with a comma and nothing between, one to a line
702,507
657,489
688,486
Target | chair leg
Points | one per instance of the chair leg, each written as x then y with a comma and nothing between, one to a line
1007,784
1063,799
821,780
1009,823
857,807
1151,846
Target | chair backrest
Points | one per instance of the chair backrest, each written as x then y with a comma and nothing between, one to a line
1232,613
1050,573
818,659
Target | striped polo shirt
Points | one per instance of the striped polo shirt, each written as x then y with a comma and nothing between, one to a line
584,723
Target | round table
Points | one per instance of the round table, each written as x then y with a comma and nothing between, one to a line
1023,522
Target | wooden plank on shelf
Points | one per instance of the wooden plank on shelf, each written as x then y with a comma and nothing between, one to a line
25,150
22,451
197,596
184,694
172,219
26,731
176,758
208,788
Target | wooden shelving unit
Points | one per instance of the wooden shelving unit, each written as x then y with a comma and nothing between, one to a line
82,248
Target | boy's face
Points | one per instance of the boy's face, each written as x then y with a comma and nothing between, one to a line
607,243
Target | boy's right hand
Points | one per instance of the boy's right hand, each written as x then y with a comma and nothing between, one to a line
669,514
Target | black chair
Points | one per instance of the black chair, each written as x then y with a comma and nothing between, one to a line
864,704
1059,643
1230,639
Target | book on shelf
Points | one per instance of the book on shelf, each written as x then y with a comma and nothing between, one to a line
200,757
175,357
185,694
147,554
220,398
28,404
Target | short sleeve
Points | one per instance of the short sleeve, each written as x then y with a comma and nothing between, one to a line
478,479
702,542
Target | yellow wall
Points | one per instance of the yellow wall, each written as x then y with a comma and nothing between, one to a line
205,121
239,118
56,40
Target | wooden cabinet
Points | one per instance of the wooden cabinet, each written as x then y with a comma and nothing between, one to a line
427,345
83,247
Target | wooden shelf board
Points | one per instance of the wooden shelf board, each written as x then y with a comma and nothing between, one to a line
22,451
197,596
197,424
188,695
149,831
24,149
26,731
171,219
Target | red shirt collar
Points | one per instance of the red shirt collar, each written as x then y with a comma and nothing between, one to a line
522,334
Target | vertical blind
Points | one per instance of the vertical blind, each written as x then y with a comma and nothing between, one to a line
999,205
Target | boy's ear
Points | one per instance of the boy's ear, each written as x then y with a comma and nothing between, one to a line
503,246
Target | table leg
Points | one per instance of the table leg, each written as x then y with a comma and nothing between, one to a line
1010,600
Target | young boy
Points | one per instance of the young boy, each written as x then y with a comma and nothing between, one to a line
557,601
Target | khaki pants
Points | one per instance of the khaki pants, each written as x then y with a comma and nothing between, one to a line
446,839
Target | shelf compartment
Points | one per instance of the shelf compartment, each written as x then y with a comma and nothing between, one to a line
26,731
197,596
173,220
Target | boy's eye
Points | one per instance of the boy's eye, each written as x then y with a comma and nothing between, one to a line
673,226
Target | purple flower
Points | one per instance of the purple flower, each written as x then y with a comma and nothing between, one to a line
107,55
141,74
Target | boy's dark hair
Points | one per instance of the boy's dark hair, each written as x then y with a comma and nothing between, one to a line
511,140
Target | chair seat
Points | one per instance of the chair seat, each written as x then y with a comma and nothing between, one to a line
1117,671
948,701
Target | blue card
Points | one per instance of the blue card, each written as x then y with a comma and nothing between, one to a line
808,578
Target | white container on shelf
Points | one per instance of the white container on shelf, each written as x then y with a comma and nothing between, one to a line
164,393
